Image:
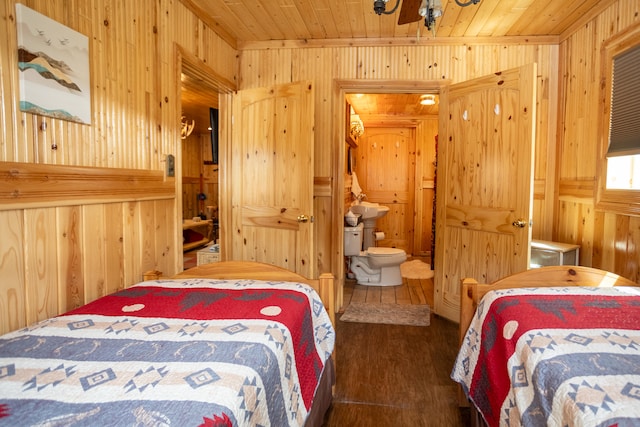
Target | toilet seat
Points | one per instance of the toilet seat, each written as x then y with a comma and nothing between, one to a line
383,252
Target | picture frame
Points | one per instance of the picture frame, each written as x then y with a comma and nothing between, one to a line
53,68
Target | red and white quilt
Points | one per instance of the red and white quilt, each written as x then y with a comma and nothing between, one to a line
554,357
192,352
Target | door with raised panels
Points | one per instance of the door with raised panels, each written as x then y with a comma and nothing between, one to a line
272,173
485,182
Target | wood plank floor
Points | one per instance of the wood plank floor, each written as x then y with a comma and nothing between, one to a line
391,375
412,291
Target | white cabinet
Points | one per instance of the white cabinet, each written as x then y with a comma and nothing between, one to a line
206,256
544,253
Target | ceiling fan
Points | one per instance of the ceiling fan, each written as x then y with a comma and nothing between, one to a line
415,10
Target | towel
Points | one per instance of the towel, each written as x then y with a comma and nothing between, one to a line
356,190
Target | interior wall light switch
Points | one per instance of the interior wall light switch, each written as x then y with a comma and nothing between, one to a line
171,165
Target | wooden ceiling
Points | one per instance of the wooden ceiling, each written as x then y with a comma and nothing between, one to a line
391,109
196,103
246,23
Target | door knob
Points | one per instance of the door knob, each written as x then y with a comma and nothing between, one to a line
519,223
303,218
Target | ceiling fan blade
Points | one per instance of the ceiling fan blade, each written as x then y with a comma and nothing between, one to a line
409,12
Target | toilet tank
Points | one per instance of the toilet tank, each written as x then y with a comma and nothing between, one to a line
353,237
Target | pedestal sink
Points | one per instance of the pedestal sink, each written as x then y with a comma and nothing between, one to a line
370,212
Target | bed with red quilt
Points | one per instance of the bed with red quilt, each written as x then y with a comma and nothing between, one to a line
553,356
180,352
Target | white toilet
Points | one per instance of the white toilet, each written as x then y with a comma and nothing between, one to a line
376,266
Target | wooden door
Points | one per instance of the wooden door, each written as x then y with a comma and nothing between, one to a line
485,182
272,173
386,171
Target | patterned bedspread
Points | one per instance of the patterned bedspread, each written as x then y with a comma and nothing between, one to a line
554,357
171,353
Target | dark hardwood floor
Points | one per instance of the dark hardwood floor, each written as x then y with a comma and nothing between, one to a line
390,375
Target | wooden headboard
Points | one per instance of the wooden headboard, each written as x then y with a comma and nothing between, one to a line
324,285
556,276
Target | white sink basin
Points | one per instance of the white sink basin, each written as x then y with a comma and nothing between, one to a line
369,210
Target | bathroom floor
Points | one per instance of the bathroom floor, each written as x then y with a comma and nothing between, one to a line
412,291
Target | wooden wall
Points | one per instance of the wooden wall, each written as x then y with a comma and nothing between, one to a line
385,167
67,241
394,66
607,240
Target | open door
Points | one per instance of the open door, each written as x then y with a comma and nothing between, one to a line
485,182
272,176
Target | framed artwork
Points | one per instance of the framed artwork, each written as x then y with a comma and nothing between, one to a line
53,63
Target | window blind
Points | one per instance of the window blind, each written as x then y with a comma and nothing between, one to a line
624,128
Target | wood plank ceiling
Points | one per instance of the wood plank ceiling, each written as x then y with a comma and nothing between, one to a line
390,109
196,103
243,23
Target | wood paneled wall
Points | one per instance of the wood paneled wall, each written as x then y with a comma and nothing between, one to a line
607,240
390,66
58,252
385,167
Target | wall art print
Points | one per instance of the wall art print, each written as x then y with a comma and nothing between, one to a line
53,61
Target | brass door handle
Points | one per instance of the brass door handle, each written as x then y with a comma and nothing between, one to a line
303,218
519,223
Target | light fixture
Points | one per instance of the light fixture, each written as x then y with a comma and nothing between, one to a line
185,127
427,99
431,10
414,10
357,127
379,7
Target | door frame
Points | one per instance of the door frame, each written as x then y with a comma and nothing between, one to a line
341,87
191,65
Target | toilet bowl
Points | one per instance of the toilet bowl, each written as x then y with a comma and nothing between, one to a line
377,266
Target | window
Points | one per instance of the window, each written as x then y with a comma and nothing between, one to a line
624,126
623,154
619,179
623,172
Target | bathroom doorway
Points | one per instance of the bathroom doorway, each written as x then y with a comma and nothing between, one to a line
395,164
